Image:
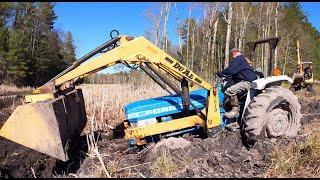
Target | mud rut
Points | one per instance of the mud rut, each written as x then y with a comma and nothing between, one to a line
224,156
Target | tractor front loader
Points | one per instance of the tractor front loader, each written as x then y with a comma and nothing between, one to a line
54,114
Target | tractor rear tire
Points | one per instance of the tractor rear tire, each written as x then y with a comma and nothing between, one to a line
273,113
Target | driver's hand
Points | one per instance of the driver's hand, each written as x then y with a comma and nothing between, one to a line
219,74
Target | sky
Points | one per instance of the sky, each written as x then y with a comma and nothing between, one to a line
312,9
91,22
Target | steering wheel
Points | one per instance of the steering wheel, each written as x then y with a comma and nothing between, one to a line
223,77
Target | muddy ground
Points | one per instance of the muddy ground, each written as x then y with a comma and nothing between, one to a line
17,160
223,156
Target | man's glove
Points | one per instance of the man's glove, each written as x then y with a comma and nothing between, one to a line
219,74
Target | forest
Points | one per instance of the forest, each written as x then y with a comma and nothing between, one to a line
31,50
205,41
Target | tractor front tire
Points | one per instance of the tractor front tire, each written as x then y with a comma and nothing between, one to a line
273,113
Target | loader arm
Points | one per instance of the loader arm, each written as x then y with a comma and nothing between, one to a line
55,111
137,51
140,51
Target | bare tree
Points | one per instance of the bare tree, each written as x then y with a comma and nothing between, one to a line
178,27
203,43
188,33
193,46
261,35
228,20
219,58
243,26
208,25
276,34
156,20
165,25
214,40
158,26
236,29
214,26
197,40
267,35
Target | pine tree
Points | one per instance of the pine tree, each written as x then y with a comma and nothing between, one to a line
17,58
5,11
68,49
4,35
31,52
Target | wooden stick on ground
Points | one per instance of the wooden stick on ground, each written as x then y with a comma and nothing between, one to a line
133,166
101,161
34,175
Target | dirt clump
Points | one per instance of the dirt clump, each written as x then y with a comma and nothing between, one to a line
310,109
172,143
224,156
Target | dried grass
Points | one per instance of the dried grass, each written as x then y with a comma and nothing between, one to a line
298,159
5,89
166,162
164,165
104,102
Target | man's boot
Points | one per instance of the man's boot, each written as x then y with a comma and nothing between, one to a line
234,103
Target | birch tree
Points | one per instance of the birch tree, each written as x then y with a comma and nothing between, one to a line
244,19
165,25
158,26
214,40
267,35
193,46
228,20
276,34
178,27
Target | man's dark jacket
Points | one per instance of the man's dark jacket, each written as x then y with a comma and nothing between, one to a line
239,69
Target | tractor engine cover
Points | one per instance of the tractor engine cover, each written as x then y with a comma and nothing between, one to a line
163,106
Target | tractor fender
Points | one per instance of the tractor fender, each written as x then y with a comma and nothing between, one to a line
261,83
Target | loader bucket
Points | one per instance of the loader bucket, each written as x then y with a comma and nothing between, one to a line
48,126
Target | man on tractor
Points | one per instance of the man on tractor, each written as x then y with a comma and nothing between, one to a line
242,74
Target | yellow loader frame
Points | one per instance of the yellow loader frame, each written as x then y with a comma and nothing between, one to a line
130,51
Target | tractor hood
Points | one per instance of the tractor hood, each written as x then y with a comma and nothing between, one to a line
163,106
